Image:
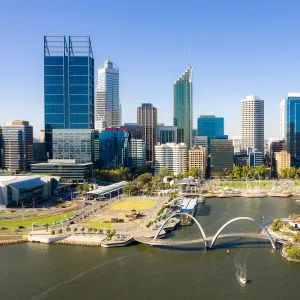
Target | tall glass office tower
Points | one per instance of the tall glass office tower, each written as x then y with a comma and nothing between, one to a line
183,107
107,102
68,85
292,127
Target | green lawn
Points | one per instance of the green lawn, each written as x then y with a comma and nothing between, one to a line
27,222
243,184
99,224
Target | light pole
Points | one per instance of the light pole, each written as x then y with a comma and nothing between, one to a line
32,227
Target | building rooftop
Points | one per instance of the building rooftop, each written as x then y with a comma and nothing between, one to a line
21,181
62,162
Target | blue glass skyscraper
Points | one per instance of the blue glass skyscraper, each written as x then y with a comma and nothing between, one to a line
68,85
292,127
210,126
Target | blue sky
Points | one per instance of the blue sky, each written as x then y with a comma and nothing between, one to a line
237,48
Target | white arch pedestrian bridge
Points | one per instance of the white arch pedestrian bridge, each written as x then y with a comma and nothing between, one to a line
209,242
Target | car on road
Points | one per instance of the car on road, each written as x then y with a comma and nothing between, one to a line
54,223
16,230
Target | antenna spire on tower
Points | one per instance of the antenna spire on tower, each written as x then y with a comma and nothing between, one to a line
189,59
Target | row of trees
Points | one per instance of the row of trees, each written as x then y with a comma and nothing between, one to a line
109,233
290,173
113,175
241,173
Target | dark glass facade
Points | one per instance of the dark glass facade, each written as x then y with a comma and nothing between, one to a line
292,134
183,107
114,147
210,126
222,155
68,85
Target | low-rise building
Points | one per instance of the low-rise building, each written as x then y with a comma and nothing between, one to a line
256,158
26,190
67,169
171,155
282,160
198,160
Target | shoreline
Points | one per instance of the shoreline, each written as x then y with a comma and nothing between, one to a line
250,195
283,254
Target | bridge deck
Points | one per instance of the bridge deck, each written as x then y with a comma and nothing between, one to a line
166,242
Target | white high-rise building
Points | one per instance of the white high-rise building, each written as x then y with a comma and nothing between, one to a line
282,118
253,123
237,143
107,102
171,155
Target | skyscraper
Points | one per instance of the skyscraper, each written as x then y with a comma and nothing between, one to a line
282,118
173,156
210,126
137,153
253,123
292,129
79,144
183,107
68,85
147,117
17,143
107,102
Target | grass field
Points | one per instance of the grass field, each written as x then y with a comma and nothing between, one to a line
137,205
27,222
243,184
98,224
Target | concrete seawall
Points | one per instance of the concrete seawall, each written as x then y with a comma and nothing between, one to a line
8,240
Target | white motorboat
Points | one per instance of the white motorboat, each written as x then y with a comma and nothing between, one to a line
243,279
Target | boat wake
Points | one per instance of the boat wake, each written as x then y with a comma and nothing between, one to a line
240,263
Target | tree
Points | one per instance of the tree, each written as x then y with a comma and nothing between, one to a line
68,229
52,232
163,172
75,229
90,229
101,231
132,188
79,188
60,231
82,229
94,230
145,178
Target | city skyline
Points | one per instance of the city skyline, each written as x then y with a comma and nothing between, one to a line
226,69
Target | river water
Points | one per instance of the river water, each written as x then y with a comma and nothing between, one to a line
39,271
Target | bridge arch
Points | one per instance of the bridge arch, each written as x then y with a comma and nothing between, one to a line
183,214
243,218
